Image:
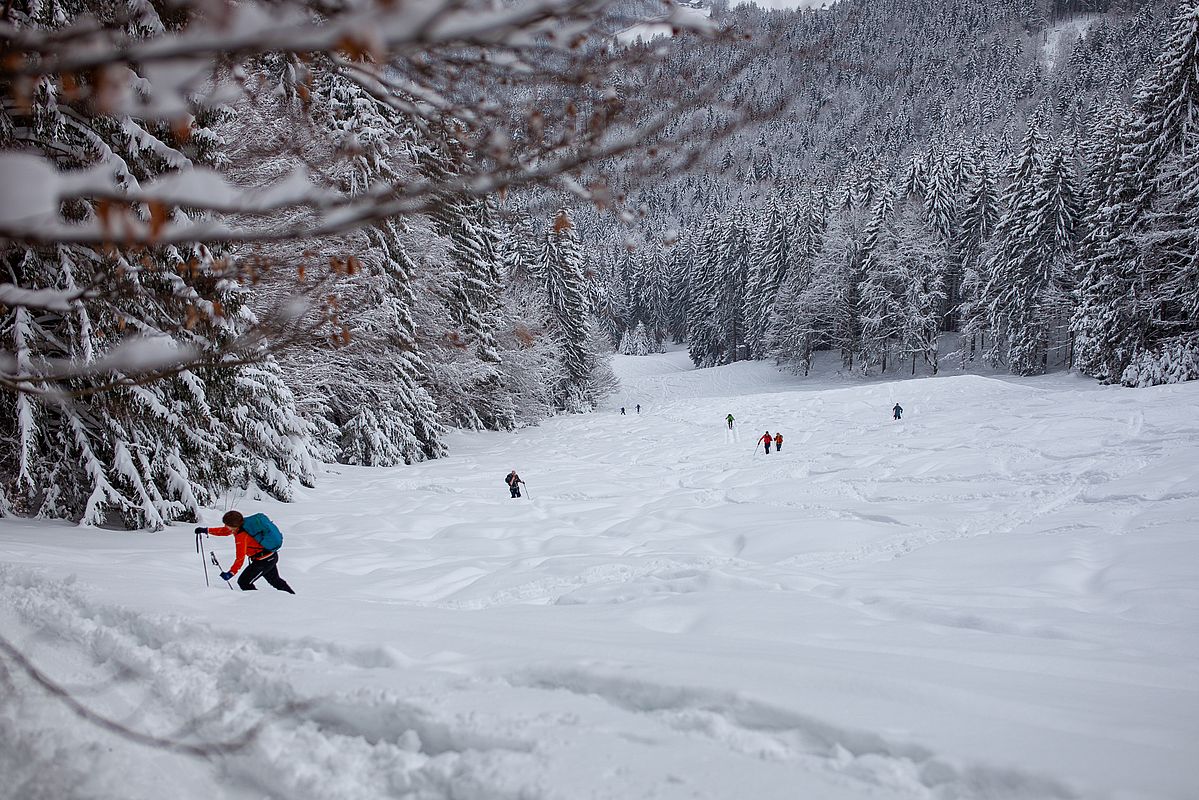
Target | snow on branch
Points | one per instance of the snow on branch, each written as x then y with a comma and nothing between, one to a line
112,125
428,60
44,299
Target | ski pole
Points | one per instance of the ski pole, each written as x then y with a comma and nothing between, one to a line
212,555
527,491
200,550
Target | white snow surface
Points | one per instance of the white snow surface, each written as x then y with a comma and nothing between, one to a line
1058,40
995,597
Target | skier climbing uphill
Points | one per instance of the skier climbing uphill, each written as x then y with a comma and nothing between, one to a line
729,419
513,480
767,440
258,540
778,442
897,412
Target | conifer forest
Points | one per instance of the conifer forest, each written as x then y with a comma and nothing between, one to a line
242,239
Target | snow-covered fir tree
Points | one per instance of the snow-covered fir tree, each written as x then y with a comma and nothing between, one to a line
769,261
1140,312
582,380
101,446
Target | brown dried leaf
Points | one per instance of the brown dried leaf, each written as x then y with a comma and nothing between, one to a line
104,212
159,215
182,127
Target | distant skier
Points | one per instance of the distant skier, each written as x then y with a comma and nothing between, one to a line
638,408
778,442
252,536
767,440
622,411
513,480
730,421
897,412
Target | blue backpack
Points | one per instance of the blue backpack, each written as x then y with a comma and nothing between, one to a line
264,531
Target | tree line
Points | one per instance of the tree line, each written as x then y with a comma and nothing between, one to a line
1069,245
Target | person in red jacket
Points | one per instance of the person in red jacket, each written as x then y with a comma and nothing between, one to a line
767,440
263,563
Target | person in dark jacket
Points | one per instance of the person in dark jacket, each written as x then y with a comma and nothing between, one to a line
897,412
263,563
513,480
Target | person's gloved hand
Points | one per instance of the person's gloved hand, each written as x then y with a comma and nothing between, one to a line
201,529
227,576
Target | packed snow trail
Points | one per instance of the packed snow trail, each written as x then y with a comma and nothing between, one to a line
995,597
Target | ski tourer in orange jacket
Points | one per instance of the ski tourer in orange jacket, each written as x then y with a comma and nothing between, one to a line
247,545
264,563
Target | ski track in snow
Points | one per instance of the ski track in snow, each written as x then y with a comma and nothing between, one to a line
668,614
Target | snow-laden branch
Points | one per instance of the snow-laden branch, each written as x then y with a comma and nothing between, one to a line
206,190
44,299
113,136
427,59
247,29
134,356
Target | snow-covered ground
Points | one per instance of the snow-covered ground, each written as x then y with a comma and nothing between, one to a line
648,31
1058,40
996,597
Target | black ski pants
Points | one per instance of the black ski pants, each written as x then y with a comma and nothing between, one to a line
767,448
515,489
263,568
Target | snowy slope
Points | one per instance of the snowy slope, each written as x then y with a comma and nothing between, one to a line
995,597
1057,40
648,31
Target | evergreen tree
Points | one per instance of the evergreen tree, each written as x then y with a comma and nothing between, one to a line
1099,291
979,218
734,262
1013,282
656,298
372,382
705,342
680,263
878,308
769,260
1156,201
815,307
561,267
940,196
102,446
636,342
918,260
474,250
